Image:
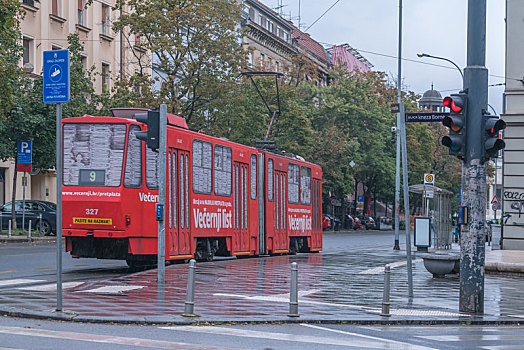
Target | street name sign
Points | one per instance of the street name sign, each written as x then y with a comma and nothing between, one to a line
433,117
24,156
56,76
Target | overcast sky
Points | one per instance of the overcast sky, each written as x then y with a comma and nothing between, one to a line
436,27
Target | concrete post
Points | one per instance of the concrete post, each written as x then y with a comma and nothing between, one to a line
474,191
29,230
293,292
9,230
189,306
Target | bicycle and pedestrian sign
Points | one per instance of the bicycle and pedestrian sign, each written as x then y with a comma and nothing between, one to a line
56,76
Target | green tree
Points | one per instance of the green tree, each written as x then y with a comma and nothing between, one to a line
192,46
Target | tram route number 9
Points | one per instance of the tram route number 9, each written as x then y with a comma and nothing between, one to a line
91,177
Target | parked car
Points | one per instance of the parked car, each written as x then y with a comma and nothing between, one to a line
357,223
349,222
326,222
368,222
336,222
33,209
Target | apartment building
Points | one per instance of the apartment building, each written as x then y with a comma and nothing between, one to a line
45,26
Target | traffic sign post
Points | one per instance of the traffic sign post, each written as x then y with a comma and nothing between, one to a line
24,160
56,88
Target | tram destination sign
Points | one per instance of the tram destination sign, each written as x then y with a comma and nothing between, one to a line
428,117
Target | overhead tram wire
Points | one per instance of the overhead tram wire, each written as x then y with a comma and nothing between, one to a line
419,62
322,15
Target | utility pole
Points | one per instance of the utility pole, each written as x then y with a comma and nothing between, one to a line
474,191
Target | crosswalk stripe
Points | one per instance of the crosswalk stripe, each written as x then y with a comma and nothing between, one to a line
380,269
401,345
51,287
111,289
13,282
236,332
108,339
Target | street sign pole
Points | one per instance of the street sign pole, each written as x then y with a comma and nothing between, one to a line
56,86
58,207
402,127
23,200
474,196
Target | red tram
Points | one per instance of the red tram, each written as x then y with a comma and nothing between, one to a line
222,198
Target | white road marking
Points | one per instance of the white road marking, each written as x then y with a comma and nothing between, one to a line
51,287
301,293
4,283
379,270
110,289
472,337
503,347
396,312
392,344
236,332
108,339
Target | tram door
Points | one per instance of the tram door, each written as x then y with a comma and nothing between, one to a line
178,203
280,194
240,207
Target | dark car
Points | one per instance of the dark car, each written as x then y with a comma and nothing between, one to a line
349,222
368,222
42,215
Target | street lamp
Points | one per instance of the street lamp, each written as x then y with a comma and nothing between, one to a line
444,59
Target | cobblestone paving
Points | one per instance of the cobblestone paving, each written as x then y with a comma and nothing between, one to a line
332,287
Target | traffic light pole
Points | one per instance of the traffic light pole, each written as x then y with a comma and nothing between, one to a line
161,256
474,190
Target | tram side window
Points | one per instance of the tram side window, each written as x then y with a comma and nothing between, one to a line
93,154
270,180
253,176
152,161
293,183
202,163
222,170
305,185
133,172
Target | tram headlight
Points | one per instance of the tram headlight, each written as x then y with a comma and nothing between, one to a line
128,220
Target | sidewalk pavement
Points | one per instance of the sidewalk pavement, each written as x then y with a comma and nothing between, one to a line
23,238
338,286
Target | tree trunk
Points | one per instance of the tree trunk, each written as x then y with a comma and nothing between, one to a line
13,198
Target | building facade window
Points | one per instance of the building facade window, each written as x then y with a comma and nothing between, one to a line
29,2
27,50
56,7
81,13
262,59
105,77
105,19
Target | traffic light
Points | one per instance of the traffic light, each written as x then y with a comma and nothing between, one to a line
456,122
492,143
152,134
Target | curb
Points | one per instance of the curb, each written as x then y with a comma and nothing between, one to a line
182,321
24,239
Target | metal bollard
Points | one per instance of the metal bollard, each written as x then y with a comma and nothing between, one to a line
39,225
9,234
293,292
29,232
385,298
190,292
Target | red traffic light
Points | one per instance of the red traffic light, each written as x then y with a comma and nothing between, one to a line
455,104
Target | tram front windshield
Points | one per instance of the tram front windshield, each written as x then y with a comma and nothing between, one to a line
93,154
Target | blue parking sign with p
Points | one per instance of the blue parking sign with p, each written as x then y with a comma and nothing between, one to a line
24,158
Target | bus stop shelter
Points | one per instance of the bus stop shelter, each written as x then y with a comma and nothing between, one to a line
437,205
